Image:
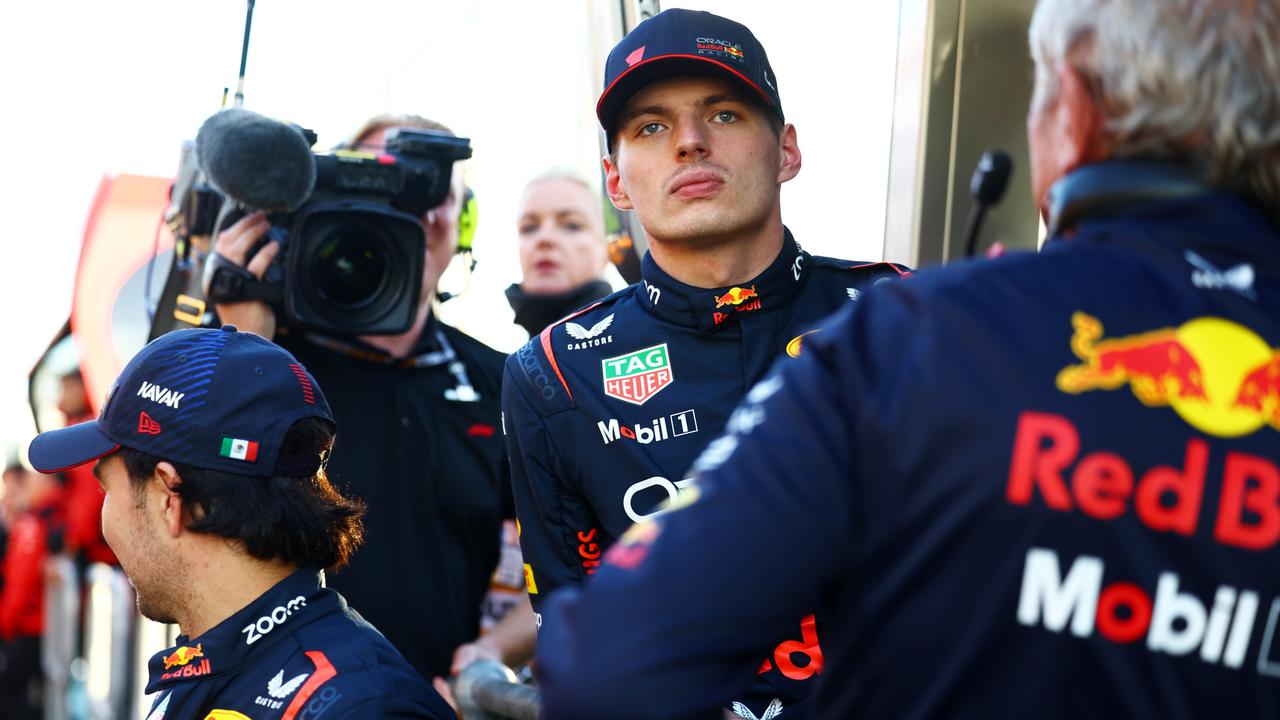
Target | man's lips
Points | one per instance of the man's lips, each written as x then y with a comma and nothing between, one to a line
546,266
696,184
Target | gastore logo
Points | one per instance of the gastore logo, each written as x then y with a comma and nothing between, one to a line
588,337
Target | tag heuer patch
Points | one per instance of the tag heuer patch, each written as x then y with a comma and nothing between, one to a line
637,376
239,449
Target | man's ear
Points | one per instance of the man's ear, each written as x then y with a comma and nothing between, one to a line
165,482
788,154
1079,121
613,185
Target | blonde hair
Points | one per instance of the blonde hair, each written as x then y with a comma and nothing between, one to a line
570,176
1196,81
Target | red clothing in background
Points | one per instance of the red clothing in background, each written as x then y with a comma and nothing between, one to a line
22,598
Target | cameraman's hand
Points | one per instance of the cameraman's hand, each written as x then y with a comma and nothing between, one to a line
234,244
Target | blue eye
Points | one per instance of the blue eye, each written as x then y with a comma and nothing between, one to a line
650,128
726,116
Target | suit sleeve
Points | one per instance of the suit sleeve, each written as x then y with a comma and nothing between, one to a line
688,603
550,513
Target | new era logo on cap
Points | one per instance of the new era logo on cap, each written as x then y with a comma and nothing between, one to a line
146,425
239,449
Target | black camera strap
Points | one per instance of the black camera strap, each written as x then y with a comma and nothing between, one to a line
463,391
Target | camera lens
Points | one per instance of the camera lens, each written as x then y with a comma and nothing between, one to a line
350,267
353,268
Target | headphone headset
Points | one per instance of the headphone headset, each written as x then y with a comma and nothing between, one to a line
468,216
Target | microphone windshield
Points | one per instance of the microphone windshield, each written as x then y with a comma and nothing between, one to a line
991,177
259,163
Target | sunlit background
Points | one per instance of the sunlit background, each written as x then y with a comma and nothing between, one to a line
100,88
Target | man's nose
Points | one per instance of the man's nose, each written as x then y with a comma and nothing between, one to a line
691,139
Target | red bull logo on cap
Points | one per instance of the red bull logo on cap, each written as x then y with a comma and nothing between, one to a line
1217,375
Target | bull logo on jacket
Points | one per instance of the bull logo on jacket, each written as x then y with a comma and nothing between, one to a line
1218,376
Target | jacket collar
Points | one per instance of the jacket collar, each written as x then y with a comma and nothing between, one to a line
229,645
535,312
710,309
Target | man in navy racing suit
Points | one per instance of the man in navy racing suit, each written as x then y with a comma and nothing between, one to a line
606,410
210,451
1044,486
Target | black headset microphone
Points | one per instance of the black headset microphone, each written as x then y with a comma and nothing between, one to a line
990,180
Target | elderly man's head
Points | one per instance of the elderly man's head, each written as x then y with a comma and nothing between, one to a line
1194,81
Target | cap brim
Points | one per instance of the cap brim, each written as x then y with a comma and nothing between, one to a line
65,448
660,67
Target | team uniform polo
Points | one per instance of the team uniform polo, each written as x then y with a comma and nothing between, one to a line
606,411
297,652
1043,486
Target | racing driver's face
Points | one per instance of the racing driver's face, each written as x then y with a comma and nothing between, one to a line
132,526
698,162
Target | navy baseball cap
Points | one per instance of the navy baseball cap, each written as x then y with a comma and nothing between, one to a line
214,399
678,42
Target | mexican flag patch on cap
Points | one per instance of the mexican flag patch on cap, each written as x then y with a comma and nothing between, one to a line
239,449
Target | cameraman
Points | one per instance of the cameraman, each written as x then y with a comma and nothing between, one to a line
422,442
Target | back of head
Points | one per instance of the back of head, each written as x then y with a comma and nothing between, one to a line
301,520
386,121
1193,81
247,429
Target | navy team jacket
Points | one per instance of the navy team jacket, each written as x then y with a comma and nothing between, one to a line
297,652
606,410
1043,486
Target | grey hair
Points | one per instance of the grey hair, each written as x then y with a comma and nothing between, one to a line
1190,80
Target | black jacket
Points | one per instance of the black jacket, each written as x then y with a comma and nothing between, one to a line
422,446
535,312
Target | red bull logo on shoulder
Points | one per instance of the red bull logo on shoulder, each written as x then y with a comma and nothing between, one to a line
1217,375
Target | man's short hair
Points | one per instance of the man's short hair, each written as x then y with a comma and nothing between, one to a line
386,121
1195,81
302,521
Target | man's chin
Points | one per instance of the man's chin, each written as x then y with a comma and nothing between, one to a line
150,612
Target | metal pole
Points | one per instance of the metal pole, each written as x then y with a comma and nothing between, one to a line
487,690
62,627
244,55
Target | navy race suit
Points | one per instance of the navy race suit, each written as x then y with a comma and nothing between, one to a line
606,411
1043,486
297,652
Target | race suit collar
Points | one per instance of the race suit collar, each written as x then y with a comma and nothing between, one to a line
710,309
291,603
